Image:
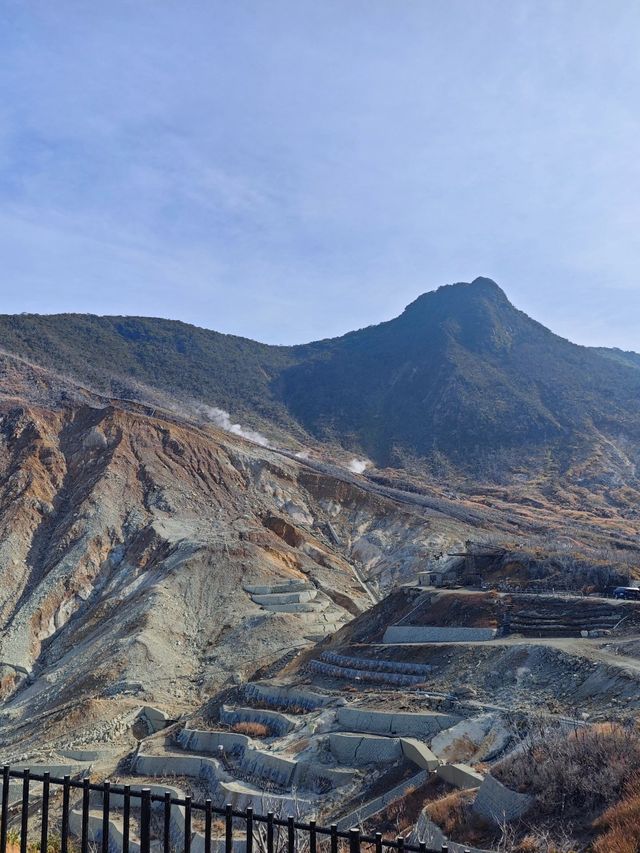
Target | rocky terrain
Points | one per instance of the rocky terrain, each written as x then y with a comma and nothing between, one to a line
149,557
187,602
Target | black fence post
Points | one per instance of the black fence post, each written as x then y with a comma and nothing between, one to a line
334,838
44,819
378,837
64,832
4,809
24,822
313,842
84,837
249,819
270,817
126,818
207,826
400,842
228,828
291,835
187,825
106,803
354,840
166,823
145,821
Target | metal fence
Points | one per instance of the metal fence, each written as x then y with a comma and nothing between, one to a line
40,813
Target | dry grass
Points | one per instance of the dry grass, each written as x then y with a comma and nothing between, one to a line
257,730
620,824
451,812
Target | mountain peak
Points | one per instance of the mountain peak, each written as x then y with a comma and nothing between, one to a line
487,284
459,295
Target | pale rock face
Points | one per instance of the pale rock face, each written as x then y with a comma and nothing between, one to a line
125,545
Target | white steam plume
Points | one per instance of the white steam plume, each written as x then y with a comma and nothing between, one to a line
223,420
358,466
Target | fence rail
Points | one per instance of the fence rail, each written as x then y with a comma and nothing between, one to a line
48,815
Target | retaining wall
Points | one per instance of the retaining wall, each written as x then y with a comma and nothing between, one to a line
376,665
274,589
269,767
273,720
358,750
420,754
286,696
393,678
314,776
423,724
155,718
115,823
497,803
298,597
202,741
398,634
460,775
223,788
95,831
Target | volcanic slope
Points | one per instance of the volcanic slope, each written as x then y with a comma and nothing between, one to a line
148,560
461,381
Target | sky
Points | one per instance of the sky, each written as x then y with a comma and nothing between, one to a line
289,170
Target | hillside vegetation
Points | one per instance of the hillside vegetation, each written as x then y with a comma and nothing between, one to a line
459,378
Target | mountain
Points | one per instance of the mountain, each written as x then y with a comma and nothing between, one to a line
632,359
463,373
460,378
143,550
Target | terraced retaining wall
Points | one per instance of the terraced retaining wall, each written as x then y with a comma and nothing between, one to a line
392,678
497,803
357,750
389,723
224,789
274,589
202,741
155,719
115,823
399,634
281,697
95,832
381,665
313,775
269,767
276,722
360,749
460,775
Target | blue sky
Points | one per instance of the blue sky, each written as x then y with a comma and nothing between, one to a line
290,170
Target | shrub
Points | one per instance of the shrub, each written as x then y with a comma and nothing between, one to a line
258,730
580,772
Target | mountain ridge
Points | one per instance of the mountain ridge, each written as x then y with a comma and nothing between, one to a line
459,375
